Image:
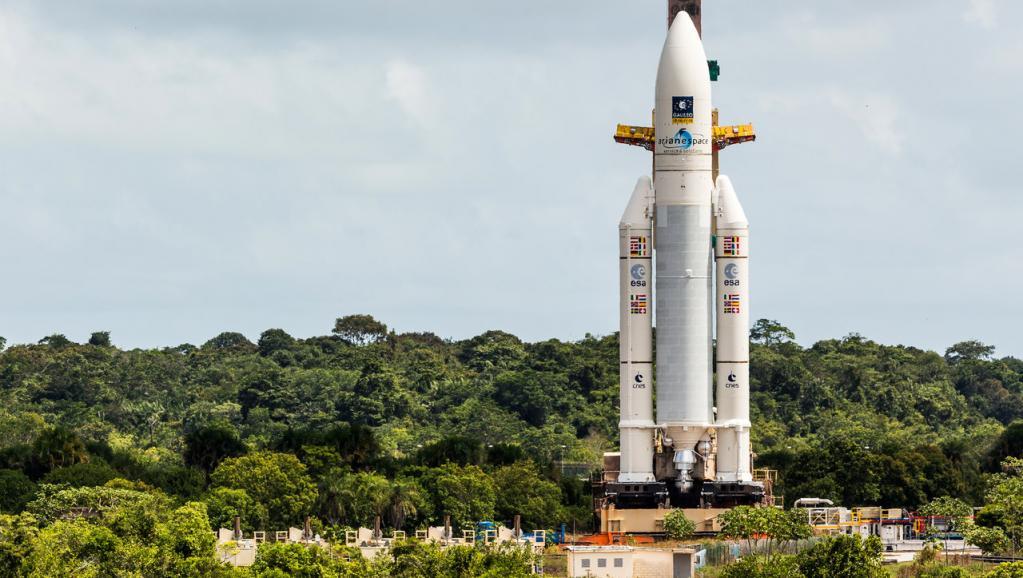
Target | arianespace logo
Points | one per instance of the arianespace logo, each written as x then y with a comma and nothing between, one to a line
682,141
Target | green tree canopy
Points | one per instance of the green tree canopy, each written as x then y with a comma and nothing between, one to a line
230,341
223,504
100,339
968,351
466,493
846,556
521,490
677,526
276,481
16,490
772,527
359,329
206,447
770,332
273,340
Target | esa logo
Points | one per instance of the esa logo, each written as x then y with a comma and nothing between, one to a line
731,275
638,273
639,381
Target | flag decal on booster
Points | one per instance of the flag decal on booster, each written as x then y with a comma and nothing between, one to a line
732,303
638,247
731,246
638,304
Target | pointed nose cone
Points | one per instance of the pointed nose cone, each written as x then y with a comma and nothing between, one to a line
682,109
683,67
635,214
730,209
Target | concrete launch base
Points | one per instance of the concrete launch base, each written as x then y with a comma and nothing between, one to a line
651,520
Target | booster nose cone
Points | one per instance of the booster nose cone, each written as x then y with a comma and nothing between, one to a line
730,213
642,196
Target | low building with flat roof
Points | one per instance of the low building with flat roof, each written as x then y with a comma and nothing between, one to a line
630,562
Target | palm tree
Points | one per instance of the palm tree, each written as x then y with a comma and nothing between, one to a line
404,499
58,448
335,498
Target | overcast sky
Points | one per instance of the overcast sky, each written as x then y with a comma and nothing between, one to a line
171,170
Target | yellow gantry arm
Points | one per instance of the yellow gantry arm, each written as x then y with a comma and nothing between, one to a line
643,136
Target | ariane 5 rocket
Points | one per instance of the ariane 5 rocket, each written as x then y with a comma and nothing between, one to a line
683,256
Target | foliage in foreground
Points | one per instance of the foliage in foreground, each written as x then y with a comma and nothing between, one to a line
833,557
677,526
409,559
367,423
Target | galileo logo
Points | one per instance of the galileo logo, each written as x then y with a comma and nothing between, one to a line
731,270
681,110
637,272
682,141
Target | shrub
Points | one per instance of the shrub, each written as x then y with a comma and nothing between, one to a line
846,556
757,566
677,526
1007,570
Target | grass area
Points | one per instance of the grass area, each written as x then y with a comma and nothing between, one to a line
905,569
555,563
902,570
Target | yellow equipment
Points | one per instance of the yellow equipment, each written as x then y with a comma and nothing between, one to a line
643,136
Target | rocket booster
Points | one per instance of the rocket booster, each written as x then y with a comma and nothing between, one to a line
731,251
636,375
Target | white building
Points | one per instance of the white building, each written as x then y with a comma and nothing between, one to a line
630,562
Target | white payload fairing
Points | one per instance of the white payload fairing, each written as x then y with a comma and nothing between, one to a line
686,223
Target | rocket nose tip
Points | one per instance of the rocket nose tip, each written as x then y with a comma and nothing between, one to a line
682,29
724,182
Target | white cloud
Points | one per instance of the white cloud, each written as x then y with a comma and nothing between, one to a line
853,38
193,170
981,12
408,85
876,116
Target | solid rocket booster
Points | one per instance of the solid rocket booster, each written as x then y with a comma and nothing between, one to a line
683,187
731,250
635,246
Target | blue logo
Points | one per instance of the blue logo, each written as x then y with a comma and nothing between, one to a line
731,270
638,272
682,141
684,138
681,110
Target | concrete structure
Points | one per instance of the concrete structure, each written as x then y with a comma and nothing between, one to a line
235,549
616,521
630,562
